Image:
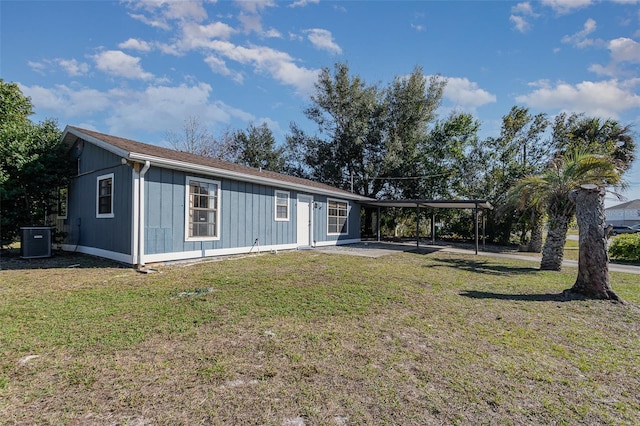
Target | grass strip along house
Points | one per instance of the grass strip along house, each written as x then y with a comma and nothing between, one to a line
138,203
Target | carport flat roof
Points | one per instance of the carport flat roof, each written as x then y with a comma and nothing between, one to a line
440,204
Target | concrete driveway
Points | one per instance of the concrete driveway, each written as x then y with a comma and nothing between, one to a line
378,249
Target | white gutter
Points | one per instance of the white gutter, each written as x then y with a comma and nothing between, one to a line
144,170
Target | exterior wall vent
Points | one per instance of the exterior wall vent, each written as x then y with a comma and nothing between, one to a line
35,242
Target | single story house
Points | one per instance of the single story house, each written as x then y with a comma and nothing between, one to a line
624,214
138,203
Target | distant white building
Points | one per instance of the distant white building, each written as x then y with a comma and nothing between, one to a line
624,214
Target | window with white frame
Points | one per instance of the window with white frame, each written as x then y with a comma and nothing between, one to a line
202,209
104,196
282,205
337,214
62,202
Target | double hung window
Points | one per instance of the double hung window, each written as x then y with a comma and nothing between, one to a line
202,209
337,223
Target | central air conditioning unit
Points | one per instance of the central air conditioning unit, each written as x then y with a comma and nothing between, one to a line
35,242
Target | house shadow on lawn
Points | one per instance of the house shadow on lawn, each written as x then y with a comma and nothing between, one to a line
10,260
484,267
544,297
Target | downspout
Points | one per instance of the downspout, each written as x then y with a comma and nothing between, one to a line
144,170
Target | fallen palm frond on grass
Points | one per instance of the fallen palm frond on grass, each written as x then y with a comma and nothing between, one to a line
311,338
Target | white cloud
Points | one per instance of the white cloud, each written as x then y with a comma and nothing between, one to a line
562,7
418,27
278,64
70,66
301,3
66,101
466,94
158,12
272,33
523,8
250,17
134,44
153,109
38,67
625,50
118,63
520,23
219,66
151,21
518,14
323,40
254,6
606,99
195,35
580,39
181,9
73,67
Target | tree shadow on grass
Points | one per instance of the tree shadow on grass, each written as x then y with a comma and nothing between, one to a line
486,267
544,297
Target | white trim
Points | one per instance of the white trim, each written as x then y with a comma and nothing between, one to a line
187,192
98,179
107,254
135,222
194,254
141,207
347,218
197,254
337,242
275,202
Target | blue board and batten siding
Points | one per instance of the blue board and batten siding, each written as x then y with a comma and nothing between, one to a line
247,213
99,236
247,218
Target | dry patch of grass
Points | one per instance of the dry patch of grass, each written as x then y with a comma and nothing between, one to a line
312,338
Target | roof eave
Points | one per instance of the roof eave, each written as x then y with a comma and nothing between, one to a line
196,168
98,142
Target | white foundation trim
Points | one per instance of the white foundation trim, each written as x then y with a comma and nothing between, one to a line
107,254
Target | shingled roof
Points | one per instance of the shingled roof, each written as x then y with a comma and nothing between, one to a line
169,158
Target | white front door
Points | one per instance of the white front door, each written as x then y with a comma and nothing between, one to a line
304,217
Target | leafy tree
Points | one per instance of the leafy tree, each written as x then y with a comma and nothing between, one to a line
350,114
33,164
520,150
444,155
592,134
256,147
552,187
412,102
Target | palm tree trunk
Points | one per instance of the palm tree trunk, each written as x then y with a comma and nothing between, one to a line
553,250
593,264
535,245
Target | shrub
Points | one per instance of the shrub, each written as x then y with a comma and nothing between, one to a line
625,247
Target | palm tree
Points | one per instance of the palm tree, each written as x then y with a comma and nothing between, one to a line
551,188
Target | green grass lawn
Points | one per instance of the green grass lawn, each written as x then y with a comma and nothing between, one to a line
314,338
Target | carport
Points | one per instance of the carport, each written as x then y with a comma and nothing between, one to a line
475,205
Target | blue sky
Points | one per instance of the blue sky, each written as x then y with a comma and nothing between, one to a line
139,69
